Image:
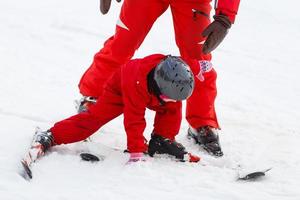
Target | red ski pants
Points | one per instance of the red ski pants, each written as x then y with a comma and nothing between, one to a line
83,125
190,17
108,107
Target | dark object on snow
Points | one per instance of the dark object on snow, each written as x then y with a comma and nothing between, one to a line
254,175
90,157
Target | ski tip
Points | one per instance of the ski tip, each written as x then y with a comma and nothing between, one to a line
268,169
26,172
253,175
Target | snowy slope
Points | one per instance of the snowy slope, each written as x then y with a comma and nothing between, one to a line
45,46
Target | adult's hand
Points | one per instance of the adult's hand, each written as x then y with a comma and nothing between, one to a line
105,6
215,33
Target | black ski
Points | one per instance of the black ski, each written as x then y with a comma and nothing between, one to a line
91,157
253,175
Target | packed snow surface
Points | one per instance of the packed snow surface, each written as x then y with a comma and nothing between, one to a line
45,47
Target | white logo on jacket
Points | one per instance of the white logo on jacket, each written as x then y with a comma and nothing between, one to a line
121,24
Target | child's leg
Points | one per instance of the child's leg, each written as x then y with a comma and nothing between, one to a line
83,125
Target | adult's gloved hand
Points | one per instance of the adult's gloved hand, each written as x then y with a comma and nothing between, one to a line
215,33
105,6
136,157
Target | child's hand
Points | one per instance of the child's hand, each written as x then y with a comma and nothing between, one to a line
136,157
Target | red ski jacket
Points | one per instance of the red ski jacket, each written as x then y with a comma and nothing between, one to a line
228,8
125,92
136,99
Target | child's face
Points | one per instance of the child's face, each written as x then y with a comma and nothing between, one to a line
166,98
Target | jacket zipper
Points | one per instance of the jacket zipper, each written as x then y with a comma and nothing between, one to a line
199,12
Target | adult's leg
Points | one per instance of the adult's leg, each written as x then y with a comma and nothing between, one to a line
136,20
190,18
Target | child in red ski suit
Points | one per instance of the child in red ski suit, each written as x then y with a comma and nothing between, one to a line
196,36
129,92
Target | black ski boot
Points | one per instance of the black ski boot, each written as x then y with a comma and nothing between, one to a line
161,145
83,104
207,138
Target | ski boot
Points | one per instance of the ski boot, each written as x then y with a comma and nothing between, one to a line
161,145
44,138
208,138
83,104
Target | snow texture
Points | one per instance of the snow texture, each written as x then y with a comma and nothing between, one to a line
45,46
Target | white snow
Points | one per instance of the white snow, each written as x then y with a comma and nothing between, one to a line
45,46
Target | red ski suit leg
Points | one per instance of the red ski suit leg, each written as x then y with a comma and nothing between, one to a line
83,125
136,19
200,109
190,19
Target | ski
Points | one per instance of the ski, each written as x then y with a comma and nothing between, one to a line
253,175
188,157
250,176
35,151
26,172
92,157
85,156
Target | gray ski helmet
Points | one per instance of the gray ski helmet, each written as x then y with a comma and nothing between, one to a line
174,78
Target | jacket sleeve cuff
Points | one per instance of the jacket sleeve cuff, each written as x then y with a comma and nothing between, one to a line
229,14
228,8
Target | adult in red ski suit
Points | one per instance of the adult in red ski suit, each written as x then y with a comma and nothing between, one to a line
190,18
125,92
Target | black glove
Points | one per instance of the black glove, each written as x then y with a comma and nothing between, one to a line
215,33
105,6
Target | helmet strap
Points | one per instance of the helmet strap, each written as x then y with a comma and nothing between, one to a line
153,87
